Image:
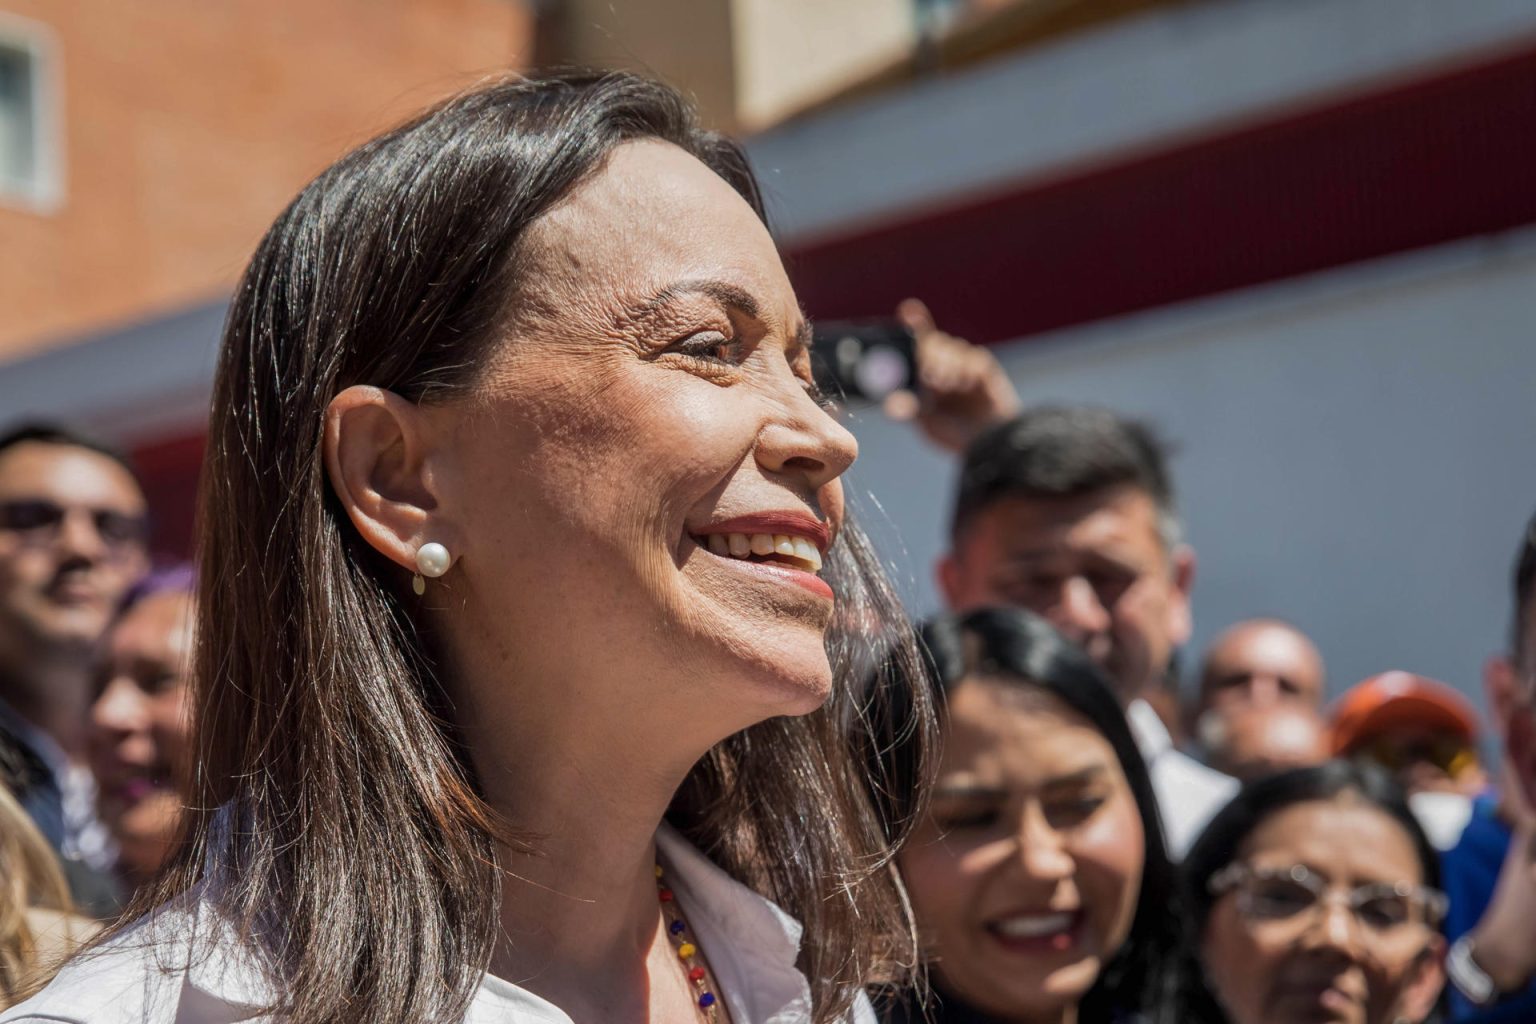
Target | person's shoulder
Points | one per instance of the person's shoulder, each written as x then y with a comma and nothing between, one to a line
1177,768
56,935
132,978
105,985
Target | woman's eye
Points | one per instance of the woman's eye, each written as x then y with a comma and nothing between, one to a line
159,682
711,346
967,821
1384,912
819,396
1071,812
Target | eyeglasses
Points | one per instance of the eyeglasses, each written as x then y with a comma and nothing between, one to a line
39,522
1296,893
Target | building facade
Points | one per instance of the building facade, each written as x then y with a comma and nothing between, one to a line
1298,236
144,148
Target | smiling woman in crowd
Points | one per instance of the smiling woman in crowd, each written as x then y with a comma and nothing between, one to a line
524,616
1315,895
1039,878
140,724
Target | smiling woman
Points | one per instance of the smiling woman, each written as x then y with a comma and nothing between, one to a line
527,604
1038,875
139,724
1315,894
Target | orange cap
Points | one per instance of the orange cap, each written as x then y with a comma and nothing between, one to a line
1398,700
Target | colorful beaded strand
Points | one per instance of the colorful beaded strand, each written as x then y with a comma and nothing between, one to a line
687,951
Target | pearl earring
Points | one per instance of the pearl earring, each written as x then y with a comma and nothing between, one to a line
432,559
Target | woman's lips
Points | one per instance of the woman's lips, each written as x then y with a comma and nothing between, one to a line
73,592
1334,998
778,572
1038,933
135,788
790,522
783,546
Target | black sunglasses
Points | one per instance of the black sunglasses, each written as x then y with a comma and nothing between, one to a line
40,521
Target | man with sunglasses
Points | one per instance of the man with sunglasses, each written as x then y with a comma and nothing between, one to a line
72,542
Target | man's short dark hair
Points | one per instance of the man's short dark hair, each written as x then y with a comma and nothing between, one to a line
44,432
1525,592
1064,452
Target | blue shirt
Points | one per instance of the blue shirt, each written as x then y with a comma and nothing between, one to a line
1469,871
29,771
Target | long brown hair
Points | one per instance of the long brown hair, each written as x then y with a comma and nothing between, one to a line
333,811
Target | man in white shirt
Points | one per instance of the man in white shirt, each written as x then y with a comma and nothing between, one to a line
1069,512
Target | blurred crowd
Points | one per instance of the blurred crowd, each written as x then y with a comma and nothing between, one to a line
1250,851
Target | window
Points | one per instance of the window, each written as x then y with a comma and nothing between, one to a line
29,158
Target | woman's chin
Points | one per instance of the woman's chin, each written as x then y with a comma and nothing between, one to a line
789,683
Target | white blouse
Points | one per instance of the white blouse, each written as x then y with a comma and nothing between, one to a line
149,975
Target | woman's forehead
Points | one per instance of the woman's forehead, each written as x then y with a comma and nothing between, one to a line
1023,728
1347,837
650,217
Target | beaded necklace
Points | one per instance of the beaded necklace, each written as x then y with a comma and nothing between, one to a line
688,951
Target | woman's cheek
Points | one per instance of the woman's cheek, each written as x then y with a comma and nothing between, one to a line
936,881
1236,968
172,725
1110,855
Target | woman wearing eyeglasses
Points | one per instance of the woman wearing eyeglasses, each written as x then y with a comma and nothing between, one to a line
1315,897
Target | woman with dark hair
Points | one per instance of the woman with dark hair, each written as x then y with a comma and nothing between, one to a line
526,608
139,723
1038,875
1315,896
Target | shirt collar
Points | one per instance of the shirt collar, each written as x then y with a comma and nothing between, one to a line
1151,735
750,944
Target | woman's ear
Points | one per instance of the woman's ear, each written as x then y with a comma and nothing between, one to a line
1181,621
378,459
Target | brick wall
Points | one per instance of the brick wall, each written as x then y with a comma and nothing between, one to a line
189,123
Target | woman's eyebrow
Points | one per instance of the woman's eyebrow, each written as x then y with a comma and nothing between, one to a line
968,791
1081,777
726,294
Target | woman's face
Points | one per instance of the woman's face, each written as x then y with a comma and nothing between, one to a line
1025,875
1325,964
641,486
139,726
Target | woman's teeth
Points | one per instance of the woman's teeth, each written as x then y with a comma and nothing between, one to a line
1033,926
796,550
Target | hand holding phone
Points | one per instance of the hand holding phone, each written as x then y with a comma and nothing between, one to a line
864,361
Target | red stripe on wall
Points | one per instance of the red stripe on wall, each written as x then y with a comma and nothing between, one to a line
1416,165
169,469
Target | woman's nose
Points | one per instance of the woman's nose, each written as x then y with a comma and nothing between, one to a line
1042,851
1333,926
803,437
119,708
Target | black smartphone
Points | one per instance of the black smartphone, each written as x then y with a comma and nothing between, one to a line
863,360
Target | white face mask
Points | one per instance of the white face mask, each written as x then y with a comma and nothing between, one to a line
1443,816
